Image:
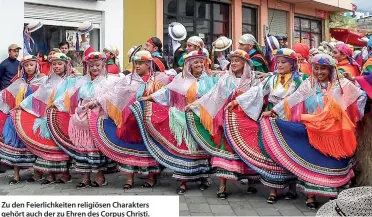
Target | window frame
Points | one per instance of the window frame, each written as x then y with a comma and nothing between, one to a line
311,32
255,9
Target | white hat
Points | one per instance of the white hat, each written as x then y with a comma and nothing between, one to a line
350,202
33,26
177,31
248,39
222,43
132,51
85,27
272,42
196,40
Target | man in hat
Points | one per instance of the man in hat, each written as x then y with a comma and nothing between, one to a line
154,46
249,44
9,67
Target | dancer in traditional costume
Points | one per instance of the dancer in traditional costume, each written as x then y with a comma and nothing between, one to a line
241,131
119,137
154,46
319,149
344,56
31,124
12,150
194,43
163,126
68,120
206,121
303,53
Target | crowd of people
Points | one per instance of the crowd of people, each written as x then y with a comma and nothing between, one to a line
295,118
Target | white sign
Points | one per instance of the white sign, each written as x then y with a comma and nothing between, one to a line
89,206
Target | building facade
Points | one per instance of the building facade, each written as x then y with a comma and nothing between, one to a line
60,20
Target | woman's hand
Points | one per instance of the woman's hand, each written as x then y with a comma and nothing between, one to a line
261,75
348,76
188,107
267,114
144,98
231,105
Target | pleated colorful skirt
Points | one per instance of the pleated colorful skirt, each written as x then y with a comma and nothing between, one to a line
318,174
153,123
227,163
13,152
50,158
131,157
247,139
83,160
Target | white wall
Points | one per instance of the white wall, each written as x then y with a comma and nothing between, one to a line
112,32
11,22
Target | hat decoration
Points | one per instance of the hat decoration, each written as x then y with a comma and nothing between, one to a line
142,55
239,53
59,57
95,56
323,59
286,52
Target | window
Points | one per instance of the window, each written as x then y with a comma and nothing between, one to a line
308,31
249,21
207,19
49,37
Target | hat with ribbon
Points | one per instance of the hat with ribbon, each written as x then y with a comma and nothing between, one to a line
196,40
286,52
222,43
33,26
241,54
177,31
195,54
350,202
142,56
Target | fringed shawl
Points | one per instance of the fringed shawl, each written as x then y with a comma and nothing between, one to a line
38,102
116,101
210,106
14,94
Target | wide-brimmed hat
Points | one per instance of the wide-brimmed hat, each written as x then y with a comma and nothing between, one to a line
222,43
195,54
350,202
33,26
239,53
142,55
177,31
133,50
85,27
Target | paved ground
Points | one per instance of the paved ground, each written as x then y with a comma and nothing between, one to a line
193,203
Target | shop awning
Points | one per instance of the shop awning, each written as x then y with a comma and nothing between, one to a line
347,36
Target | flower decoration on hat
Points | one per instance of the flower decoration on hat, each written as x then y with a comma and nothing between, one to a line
239,53
323,59
59,57
195,54
95,56
29,58
286,52
142,55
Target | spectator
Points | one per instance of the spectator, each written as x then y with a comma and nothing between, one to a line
9,67
64,47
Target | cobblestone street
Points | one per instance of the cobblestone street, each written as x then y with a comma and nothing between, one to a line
193,203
